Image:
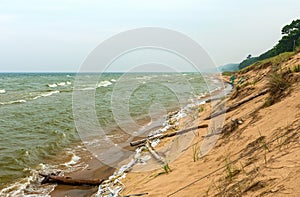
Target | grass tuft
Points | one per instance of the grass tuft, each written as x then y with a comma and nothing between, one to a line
277,84
195,152
297,68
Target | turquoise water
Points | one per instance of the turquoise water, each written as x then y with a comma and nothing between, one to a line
36,121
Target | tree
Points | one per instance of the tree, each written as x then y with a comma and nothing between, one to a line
292,28
291,35
289,41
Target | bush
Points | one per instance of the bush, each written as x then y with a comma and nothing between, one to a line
278,84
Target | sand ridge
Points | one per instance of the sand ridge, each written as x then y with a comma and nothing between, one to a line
259,157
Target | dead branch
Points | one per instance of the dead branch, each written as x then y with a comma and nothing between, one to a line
232,107
164,135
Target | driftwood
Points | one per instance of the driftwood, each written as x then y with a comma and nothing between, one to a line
155,154
232,107
51,178
164,135
141,194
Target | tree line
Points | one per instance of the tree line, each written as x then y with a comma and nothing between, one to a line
289,42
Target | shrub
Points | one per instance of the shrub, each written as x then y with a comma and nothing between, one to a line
277,84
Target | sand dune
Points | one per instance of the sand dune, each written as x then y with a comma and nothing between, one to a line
259,157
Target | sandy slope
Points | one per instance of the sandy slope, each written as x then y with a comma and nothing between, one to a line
260,157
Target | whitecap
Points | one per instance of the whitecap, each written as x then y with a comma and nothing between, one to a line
50,93
104,84
2,91
46,94
61,84
113,80
68,83
52,85
84,89
13,102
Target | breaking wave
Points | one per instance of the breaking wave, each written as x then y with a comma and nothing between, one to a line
46,94
2,91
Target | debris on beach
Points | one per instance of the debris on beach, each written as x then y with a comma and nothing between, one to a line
55,178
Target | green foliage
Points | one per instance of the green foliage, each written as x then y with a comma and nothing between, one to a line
248,62
265,146
272,61
297,68
227,73
289,42
201,108
291,28
231,170
166,168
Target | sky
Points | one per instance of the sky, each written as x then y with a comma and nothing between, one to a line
57,35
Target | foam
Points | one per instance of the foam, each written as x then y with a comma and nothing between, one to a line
113,188
85,89
13,102
27,187
74,160
2,91
62,84
50,93
46,94
31,187
52,85
104,84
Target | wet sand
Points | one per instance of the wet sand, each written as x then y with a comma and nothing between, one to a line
98,170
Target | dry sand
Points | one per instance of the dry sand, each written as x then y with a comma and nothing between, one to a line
260,157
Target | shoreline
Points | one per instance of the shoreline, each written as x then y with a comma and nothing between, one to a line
73,158
257,154
96,168
246,126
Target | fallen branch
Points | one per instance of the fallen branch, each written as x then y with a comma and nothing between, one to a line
159,158
141,194
164,135
155,154
50,178
232,107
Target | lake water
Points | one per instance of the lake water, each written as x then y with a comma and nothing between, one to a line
37,122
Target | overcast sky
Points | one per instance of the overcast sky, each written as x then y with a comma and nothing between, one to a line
57,35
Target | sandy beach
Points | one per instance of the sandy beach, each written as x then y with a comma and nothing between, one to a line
257,153
256,156
149,98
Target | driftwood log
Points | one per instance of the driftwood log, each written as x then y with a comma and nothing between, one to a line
50,178
164,135
155,154
232,107
141,194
